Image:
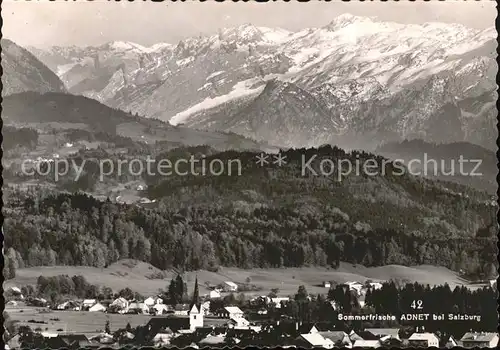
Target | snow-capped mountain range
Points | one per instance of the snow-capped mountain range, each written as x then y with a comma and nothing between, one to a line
353,81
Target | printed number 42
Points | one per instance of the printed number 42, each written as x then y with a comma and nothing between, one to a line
417,304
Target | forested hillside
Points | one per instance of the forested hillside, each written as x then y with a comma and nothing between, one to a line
267,217
460,162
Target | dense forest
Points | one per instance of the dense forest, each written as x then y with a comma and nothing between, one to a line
443,159
23,137
267,217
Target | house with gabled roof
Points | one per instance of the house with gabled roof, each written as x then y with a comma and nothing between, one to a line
338,338
479,339
383,332
138,308
423,340
230,286
230,312
88,303
76,341
98,307
163,337
313,340
151,301
367,344
120,302
214,294
212,341
160,309
449,343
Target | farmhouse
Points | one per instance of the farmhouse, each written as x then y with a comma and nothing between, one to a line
392,333
233,312
75,340
450,343
13,343
214,294
278,301
163,338
181,310
230,286
160,309
355,286
40,302
482,340
326,284
239,322
375,285
423,339
98,307
205,308
16,292
213,340
139,308
68,305
120,303
313,340
153,301
338,338
88,303
367,344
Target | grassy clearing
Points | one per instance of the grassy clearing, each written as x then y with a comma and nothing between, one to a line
137,276
88,323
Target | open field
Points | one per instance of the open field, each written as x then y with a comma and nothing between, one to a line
88,323
138,276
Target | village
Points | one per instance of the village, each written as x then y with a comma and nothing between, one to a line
219,319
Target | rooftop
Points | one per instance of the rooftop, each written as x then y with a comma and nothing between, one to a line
423,336
479,337
316,339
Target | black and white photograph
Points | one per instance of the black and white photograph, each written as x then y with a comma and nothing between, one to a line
209,174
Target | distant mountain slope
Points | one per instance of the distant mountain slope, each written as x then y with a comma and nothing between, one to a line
22,71
282,113
32,108
379,86
443,161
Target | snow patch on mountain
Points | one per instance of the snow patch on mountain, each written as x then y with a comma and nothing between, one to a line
159,47
275,35
64,68
214,74
241,89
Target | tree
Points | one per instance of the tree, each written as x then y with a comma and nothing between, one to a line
274,293
128,327
107,292
9,268
175,291
241,299
107,328
301,294
126,293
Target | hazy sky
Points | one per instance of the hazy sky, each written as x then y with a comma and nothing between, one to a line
80,23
